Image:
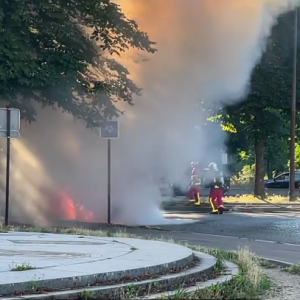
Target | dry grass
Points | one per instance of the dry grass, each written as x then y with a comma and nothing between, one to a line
293,269
250,262
252,199
250,283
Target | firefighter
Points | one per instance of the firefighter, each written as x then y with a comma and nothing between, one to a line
216,194
194,193
194,169
193,187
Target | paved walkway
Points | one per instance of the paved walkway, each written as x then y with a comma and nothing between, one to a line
59,256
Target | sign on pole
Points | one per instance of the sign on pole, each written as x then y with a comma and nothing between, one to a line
14,122
14,134
110,130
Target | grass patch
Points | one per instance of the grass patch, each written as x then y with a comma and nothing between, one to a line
293,269
22,267
250,283
252,199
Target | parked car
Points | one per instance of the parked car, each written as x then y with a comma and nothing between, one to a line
282,181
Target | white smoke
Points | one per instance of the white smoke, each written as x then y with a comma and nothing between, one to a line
207,51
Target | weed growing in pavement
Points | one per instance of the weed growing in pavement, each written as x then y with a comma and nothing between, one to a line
22,267
250,283
3,229
33,286
219,266
180,293
133,248
87,295
293,269
130,292
267,264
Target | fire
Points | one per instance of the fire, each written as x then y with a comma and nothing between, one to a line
71,209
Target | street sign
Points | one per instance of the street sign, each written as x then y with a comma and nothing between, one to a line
14,134
9,128
14,119
110,130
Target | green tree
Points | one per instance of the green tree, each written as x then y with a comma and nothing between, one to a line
56,53
276,155
264,114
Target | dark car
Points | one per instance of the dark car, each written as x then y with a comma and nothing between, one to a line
282,181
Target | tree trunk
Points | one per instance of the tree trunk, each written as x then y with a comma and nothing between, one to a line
259,186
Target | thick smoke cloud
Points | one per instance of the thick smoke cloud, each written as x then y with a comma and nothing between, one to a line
207,51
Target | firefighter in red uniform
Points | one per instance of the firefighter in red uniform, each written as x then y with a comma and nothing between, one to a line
194,191
216,194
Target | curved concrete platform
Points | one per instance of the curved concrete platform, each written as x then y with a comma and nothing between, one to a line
197,277
63,261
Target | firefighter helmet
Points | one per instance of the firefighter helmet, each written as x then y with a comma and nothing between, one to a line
213,166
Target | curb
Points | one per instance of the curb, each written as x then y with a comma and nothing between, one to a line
279,263
203,269
264,210
230,267
186,203
189,209
204,210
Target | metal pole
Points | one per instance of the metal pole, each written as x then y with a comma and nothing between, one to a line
7,166
293,112
108,181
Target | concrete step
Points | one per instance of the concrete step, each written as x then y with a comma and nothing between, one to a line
90,267
200,276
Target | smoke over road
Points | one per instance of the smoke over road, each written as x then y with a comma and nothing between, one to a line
206,52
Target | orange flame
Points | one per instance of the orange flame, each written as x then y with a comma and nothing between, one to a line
72,210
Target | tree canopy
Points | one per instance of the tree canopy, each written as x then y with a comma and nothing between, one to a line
57,53
261,121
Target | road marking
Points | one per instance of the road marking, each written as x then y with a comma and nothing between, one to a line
270,242
243,238
289,244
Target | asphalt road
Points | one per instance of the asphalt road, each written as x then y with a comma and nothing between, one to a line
268,235
282,228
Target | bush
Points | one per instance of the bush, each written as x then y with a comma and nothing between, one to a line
245,178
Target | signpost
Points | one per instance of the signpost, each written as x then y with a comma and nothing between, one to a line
109,130
293,111
9,128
